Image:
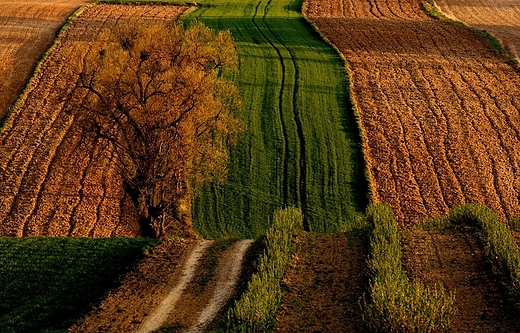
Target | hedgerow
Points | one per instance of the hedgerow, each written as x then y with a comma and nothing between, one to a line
256,309
396,303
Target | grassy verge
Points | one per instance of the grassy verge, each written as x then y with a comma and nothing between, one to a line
500,246
256,309
48,283
396,303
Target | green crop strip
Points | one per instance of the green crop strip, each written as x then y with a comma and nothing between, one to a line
49,283
302,147
398,304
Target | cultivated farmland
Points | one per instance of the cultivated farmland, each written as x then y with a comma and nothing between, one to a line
302,144
439,109
49,184
500,18
27,30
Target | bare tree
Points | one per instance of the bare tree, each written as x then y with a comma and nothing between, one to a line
157,96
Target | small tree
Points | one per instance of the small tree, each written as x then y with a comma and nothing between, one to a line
156,95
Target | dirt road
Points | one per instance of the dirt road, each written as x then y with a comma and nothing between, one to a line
164,290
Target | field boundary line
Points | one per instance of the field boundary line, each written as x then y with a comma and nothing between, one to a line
493,42
370,187
36,71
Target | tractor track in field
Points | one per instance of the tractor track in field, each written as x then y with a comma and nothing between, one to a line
299,194
50,184
439,108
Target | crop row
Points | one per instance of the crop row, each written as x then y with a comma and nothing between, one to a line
301,147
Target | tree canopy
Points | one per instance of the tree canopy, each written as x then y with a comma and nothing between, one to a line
158,96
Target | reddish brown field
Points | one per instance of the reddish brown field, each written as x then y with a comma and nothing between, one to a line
325,283
501,18
439,109
27,30
455,257
49,185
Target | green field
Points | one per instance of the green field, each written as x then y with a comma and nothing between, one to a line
49,283
302,144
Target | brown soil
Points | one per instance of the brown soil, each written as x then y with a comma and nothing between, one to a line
50,185
125,309
325,283
439,109
501,18
454,258
27,30
162,291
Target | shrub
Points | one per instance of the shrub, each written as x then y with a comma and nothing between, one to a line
396,304
256,309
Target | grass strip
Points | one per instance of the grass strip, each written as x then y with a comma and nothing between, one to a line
396,303
302,145
500,247
49,283
256,309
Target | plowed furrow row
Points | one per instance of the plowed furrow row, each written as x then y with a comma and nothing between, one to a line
50,183
501,18
438,107
454,258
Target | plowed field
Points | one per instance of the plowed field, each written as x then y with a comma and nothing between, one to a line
440,110
27,30
455,258
501,18
50,185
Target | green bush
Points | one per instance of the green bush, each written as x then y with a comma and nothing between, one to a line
256,309
396,304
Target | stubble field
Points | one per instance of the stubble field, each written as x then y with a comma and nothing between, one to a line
50,184
500,18
27,31
439,109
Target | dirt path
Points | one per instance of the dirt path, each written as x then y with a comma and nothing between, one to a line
325,283
455,258
27,30
501,18
439,108
160,314
226,281
163,291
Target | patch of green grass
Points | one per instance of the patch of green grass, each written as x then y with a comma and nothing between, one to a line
49,283
302,146
396,303
256,309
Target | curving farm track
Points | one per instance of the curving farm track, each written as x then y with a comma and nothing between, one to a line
501,18
49,184
439,109
27,30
